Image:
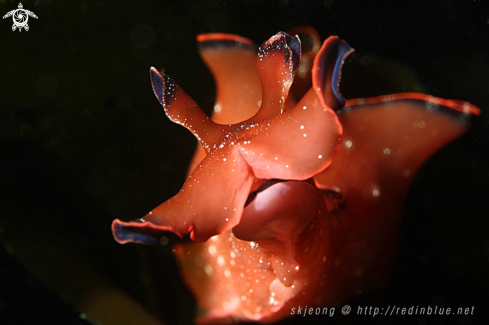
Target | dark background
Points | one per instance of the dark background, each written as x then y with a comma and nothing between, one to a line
83,141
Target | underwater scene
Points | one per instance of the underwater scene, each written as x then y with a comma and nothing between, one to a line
278,162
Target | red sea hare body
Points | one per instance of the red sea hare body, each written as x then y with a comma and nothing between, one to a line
295,195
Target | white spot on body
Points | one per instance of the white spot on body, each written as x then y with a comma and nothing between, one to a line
220,260
375,190
208,269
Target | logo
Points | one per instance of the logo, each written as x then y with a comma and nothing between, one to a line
20,17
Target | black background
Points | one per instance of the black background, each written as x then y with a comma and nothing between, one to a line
83,141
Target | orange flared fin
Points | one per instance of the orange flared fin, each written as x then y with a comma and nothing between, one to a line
388,138
385,141
232,61
227,177
294,145
182,109
326,72
278,59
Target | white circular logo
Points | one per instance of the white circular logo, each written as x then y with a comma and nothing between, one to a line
20,17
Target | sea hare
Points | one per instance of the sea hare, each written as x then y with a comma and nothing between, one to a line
294,196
